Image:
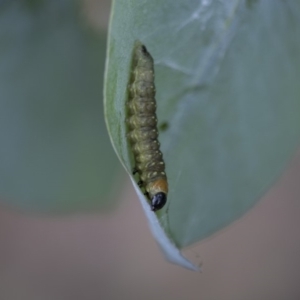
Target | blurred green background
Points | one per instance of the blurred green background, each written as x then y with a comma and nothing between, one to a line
56,155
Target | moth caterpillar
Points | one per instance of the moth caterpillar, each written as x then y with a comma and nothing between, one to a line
142,128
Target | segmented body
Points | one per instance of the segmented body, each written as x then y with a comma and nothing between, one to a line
143,133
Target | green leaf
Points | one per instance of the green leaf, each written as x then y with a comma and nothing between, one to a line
227,81
55,152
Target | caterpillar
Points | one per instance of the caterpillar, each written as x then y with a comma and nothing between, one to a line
142,128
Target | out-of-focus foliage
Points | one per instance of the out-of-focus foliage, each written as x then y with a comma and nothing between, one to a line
55,153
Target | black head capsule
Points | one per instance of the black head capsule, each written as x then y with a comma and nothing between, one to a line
158,201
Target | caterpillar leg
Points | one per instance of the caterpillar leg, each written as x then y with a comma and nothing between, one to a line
140,183
134,171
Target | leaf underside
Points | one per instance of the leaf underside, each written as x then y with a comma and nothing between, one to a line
227,87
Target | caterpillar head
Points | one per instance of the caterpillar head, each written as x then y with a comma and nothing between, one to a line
158,201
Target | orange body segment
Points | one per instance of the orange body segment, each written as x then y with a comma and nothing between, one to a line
157,186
